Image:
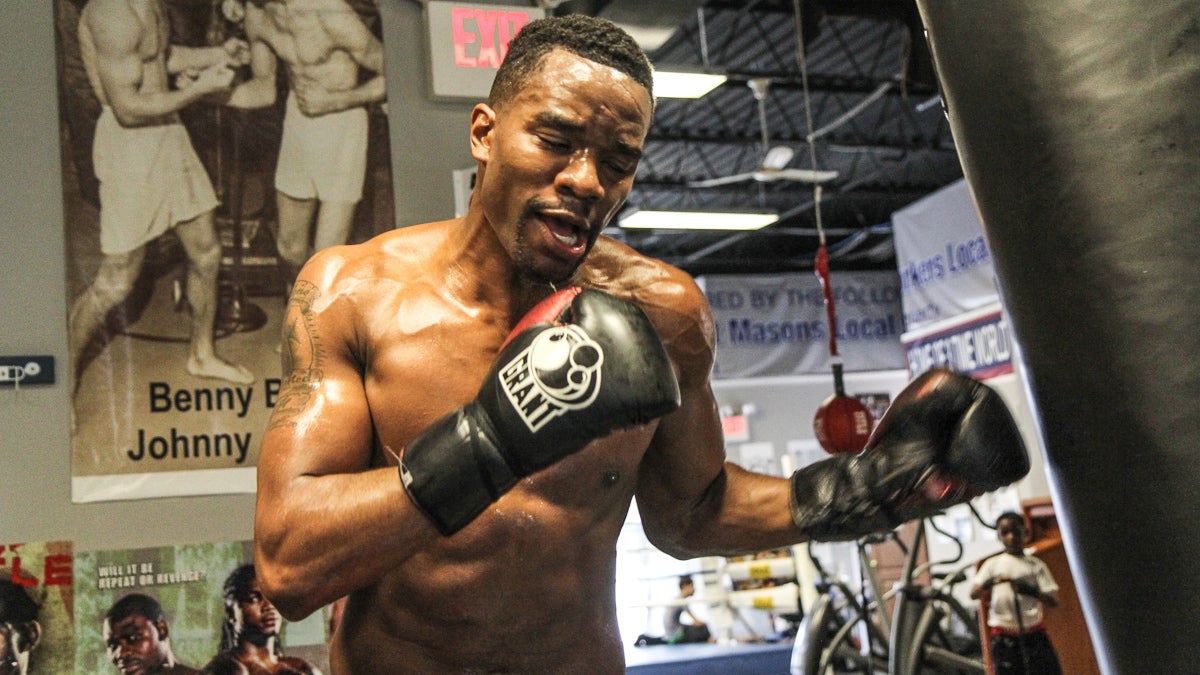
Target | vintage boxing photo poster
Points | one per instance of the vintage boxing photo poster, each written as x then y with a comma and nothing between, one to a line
186,608
209,148
36,608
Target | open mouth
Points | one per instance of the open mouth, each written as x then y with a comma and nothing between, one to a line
568,230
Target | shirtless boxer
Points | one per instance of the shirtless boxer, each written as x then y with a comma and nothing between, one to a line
250,634
323,44
494,549
150,177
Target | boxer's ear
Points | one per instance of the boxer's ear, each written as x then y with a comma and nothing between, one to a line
30,636
483,122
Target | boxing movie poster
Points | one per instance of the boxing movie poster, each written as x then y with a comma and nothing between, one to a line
205,158
193,607
37,606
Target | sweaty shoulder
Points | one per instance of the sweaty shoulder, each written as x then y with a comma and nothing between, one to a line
395,255
355,284
668,295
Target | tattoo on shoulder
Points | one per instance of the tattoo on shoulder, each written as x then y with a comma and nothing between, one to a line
303,357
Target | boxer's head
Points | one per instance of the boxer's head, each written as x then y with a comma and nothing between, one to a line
20,631
249,615
594,39
559,141
136,635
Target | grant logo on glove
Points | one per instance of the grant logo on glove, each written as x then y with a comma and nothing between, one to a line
557,372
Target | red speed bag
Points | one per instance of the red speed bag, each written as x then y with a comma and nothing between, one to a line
842,424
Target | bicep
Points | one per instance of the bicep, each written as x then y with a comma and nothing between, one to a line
321,423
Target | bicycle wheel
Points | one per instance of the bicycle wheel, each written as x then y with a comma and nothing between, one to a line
938,649
815,633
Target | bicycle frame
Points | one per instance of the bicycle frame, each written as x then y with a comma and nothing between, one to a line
919,640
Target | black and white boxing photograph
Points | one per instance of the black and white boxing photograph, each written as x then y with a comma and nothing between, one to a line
210,147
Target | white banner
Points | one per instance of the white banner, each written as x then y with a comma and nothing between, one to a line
777,325
943,259
978,343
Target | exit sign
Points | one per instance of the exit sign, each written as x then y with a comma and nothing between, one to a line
467,42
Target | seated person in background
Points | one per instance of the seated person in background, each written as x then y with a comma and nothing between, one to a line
1018,585
677,631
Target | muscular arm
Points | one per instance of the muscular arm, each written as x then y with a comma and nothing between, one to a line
692,501
182,59
326,523
116,34
259,91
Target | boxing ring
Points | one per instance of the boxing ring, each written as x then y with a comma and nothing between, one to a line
1078,127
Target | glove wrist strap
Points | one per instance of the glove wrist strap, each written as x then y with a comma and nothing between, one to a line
454,470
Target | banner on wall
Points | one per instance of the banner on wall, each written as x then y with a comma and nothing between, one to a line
175,204
776,324
942,256
978,343
37,608
205,601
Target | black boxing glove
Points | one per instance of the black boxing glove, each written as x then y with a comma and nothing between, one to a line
580,365
945,440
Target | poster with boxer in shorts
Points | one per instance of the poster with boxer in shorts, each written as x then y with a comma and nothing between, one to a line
209,148
187,608
36,608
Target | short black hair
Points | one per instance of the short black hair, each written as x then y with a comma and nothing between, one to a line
1011,515
135,603
16,606
592,38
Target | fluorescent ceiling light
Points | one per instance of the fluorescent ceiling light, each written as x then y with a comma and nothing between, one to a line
698,220
669,84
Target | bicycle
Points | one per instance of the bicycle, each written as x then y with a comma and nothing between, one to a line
932,632
826,640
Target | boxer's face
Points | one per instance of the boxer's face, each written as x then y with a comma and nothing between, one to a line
135,644
559,160
256,615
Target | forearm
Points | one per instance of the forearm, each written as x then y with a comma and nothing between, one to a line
183,59
321,537
740,512
143,108
329,101
253,93
371,91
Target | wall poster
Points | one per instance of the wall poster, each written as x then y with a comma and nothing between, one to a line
188,608
37,605
204,159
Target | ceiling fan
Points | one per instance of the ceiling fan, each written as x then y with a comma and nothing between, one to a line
775,159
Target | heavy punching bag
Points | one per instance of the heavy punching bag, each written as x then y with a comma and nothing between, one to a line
1078,127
